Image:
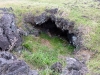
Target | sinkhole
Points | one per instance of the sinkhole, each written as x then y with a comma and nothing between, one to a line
51,29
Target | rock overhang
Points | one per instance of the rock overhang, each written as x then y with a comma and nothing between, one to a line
64,25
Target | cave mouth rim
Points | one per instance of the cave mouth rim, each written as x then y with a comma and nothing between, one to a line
69,38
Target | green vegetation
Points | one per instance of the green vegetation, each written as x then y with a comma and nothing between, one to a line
45,50
85,13
94,65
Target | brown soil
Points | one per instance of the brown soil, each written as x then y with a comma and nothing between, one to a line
46,43
84,55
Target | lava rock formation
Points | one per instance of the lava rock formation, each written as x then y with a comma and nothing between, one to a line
74,67
10,65
55,26
9,35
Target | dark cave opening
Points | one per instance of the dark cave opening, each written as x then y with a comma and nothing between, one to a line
0,49
51,29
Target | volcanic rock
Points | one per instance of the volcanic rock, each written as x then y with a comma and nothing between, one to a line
74,67
10,65
9,36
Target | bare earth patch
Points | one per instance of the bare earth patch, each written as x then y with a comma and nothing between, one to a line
46,43
84,55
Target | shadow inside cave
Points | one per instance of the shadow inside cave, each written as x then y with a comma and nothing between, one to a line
51,29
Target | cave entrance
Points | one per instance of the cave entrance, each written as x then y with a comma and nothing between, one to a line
51,29
0,49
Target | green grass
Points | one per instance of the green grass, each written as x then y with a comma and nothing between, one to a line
58,44
94,65
42,55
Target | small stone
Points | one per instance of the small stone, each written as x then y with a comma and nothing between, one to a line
73,64
57,67
74,67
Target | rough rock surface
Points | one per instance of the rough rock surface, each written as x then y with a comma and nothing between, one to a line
75,67
10,65
57,67
9,36
60,22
